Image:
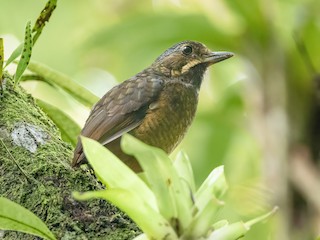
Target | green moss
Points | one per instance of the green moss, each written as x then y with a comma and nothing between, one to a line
46,181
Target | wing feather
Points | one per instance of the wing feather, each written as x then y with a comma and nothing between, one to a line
119,111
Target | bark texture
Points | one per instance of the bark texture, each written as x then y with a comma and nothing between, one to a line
35,172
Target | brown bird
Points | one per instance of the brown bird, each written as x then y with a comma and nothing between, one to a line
157,105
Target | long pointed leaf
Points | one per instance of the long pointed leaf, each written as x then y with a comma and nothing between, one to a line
114,173
183,167
17,218
214,185
26,54
14,55
238,229
202,222
173,200
150,221
229,232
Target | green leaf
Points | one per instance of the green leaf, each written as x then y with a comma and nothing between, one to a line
17,218
37,28
150,221
214,185
250,223
114,173
68,128
14,55
203,221
238,229
220,224
229,232
26,54
184,169
173,199
62,81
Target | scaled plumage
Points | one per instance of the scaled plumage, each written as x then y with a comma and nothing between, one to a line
157,105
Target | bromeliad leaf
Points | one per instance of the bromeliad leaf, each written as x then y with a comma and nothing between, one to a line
151,222
214,185
238,229
114,173
174,200
183,167
203,220
26,54
17,218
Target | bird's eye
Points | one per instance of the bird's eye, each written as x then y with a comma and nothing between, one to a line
187,50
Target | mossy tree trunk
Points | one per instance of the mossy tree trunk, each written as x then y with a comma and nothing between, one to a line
35,172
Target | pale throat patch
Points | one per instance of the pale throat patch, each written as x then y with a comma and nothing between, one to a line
189,65
185,68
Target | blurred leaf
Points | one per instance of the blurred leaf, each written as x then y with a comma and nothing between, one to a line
256,220
43,18
238,229
26,54
166,28
173,199
16,53
214,185
207,203
183,167
126,190
203,220
68,128
256,17
117,174
148,219
229,232
60,80
220,224
17,218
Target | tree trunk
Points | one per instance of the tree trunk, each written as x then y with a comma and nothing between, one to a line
35,172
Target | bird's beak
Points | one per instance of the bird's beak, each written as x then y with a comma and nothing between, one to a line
215,57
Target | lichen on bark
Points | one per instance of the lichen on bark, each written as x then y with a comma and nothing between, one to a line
36,173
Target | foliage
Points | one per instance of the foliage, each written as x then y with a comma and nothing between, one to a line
164,194
253,109
25,54
15,217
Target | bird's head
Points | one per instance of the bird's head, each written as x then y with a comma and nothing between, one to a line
188,60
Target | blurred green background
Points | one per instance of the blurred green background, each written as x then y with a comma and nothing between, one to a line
257,113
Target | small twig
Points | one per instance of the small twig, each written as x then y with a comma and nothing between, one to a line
14,160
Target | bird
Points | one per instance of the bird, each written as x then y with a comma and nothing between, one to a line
157,105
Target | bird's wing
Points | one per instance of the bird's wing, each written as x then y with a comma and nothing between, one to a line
119,111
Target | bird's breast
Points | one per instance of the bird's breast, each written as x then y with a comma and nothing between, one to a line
169,117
